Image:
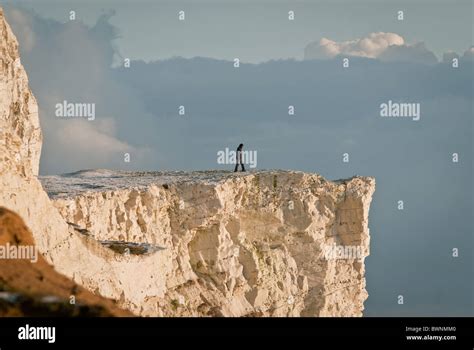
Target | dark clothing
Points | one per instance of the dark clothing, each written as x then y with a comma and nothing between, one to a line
237,167
238,159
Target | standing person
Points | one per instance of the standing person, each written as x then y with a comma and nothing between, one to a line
238,158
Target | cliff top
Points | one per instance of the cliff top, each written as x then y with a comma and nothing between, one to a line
101,180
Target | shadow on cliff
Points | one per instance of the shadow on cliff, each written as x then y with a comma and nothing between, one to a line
31,287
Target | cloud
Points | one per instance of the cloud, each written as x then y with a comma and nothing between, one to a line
449,56
82,137
384,46
72,61
469,54
23,29
371,46
416,53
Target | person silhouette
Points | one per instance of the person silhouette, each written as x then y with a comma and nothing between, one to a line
238,158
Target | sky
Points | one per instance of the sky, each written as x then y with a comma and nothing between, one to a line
257,30
282,63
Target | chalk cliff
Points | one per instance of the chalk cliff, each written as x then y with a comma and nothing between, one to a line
180,244
228,245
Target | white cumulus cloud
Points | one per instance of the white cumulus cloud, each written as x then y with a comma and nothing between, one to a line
380,45
371,46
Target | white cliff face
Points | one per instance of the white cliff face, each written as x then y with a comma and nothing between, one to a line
20,134
20,145
207,243
232,245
